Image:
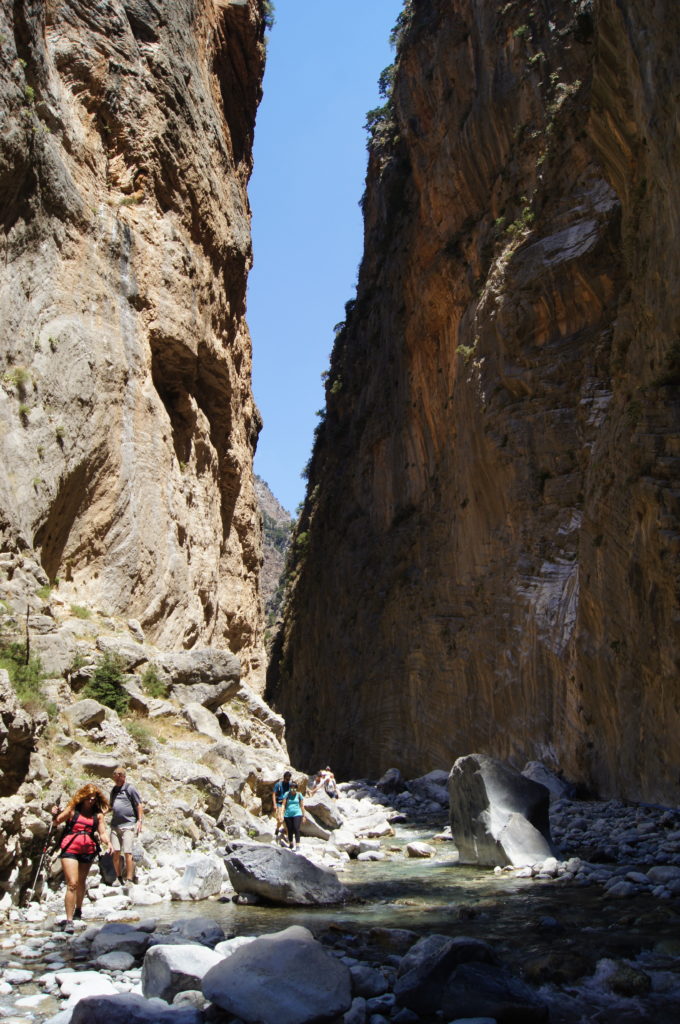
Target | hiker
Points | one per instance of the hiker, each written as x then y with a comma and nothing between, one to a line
85,833
128,816
294,815
325,780
278,797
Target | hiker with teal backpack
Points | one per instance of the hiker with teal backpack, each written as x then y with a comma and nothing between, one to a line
294,815
126,823
85,833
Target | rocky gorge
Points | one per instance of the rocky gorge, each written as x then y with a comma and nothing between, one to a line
485,560
495,473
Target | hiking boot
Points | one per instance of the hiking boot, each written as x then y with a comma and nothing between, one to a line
69,926
77,914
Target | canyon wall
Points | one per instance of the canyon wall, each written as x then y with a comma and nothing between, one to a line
127,423
487,558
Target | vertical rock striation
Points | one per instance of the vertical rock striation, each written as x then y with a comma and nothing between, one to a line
127,423
488,554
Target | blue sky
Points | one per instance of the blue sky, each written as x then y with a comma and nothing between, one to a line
323,62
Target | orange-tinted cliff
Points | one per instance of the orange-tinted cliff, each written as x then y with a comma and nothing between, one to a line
488,554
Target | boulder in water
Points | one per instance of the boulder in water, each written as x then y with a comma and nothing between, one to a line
498,817
281,876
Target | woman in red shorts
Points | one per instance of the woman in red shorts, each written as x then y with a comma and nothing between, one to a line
85,816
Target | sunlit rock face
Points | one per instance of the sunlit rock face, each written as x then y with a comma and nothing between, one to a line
488,556
127,423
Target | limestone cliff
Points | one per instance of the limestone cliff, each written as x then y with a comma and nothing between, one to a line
488,554
127,423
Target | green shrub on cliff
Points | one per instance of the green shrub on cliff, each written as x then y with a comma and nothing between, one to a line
106,685
26,675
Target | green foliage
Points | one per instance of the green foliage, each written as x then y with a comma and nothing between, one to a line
79,660
401,25
19,378
23,412
521,32
44,592
465,352
25,675
268,14
142,736
106,685
276,534
29,93
80,611
152,684
60,433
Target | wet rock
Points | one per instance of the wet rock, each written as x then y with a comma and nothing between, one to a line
121,938
497,816
281,876
558,968
285,978
425,969
423,850
483,990
628,981
356,1013
168,970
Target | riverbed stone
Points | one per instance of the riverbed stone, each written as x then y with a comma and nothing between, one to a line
356,1013
486,990
203,877
119,937
367,981
284,978
130,1008
498,817
324,809
418,849
168,970
114,961
283,877
425,969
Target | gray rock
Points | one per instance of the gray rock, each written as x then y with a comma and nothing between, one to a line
84,714
281,876
115,961
200,929
391,782
129,653
168,970
537,772
662,874
203,877
425,969
356,1013
202,720
119,938
497,816
324,809
432,787
132,1009
482,990
204,675
367,982
284,978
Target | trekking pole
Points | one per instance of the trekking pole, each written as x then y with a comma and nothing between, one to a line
41,862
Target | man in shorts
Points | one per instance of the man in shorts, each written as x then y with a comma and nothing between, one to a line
126,823
278,799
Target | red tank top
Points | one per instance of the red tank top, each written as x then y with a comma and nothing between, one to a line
79,838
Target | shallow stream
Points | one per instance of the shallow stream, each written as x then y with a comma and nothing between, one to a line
561,936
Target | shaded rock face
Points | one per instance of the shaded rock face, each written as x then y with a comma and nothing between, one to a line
127,423
488,554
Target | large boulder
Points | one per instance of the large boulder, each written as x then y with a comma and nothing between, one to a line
497,816
280,876
324,809
132,1009
206,676
432,787
284,978
168,970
